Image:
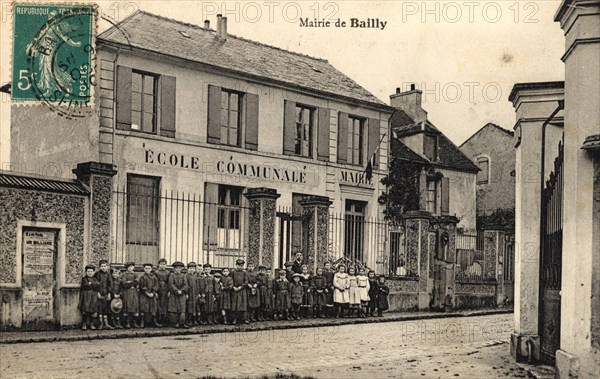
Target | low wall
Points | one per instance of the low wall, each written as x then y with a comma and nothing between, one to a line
475,294
404,294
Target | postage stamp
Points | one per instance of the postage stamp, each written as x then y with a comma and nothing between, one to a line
53,55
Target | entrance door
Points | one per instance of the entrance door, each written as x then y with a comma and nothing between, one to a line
551,262
38,279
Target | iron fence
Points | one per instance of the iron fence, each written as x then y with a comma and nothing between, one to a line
470,256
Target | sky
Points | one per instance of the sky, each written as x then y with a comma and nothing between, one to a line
464,55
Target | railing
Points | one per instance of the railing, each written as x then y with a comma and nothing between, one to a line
470,256
177,226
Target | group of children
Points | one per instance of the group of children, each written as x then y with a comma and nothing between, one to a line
200,297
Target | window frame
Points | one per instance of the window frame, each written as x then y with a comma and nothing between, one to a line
435,139
480,160
230,216
135,240
350,148
228,92
434,200
354,223
155,77
311,133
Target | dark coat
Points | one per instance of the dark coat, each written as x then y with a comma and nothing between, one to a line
148,293
129,292
218,293
282,295
253,294
88,294
265,289
105,279
239,299
207,291
382,297
319,290
296,293
177,282
307,298
373,291
163,290
329,283
297,267
193,292
227,293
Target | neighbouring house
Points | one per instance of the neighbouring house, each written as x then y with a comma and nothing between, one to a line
492,148
557,223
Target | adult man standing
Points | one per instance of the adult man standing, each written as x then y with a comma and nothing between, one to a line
297,266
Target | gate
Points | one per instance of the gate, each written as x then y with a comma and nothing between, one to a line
551,258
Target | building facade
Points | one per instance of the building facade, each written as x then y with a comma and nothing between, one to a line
192,118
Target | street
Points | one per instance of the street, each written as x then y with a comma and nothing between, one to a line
468,347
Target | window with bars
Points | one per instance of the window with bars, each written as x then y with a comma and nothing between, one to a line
229,217
143,101
231,120
143,210
305,121
354,225
356,128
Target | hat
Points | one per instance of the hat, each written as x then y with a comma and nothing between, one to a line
90,267
206,265
192,264
260,267
296,276
162,260
116,305
103,261
127,264
282,272
288,264
217,275
239,261
177,264
147,264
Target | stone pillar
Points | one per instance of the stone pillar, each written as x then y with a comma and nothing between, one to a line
315,209
418,260
534,103
99,179
493,260
579,353
261,228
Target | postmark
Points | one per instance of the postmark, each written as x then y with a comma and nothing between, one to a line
54,56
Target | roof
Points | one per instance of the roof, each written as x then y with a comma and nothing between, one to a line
534,85
488,126
449,155
23,181
403,152
236,55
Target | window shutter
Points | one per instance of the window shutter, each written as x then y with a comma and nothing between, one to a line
289,128
251,101
123,98
323,134
211,197
374,126
214,114
342,153
167,105
445,195
423,191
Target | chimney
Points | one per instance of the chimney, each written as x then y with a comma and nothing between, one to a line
206,24
224,28
410,103
219,16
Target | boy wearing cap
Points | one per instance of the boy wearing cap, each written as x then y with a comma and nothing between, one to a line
218,291
226,295
105,279
282,296
162,274
239,301
88,298
115,292
148,295
208,290
193,294
289,268
129,293
178,287
253,294
296,295
265,289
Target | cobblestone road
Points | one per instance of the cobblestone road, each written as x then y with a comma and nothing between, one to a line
468,347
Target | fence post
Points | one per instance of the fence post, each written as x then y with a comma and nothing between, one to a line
493,256
99,178
316,211
418,259
261,229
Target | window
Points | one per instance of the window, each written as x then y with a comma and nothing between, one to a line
228,217
483,176
509,263
354,226
431,196
231,120
143,102
305,120
356,128
142,210
430,147
398,258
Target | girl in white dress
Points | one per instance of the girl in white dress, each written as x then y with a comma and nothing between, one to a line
341,296
363,288
354,293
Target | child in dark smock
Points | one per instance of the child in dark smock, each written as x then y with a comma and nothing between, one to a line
88,298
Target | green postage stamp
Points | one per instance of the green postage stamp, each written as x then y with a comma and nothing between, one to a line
54,54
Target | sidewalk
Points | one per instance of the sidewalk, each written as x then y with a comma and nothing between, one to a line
79,335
